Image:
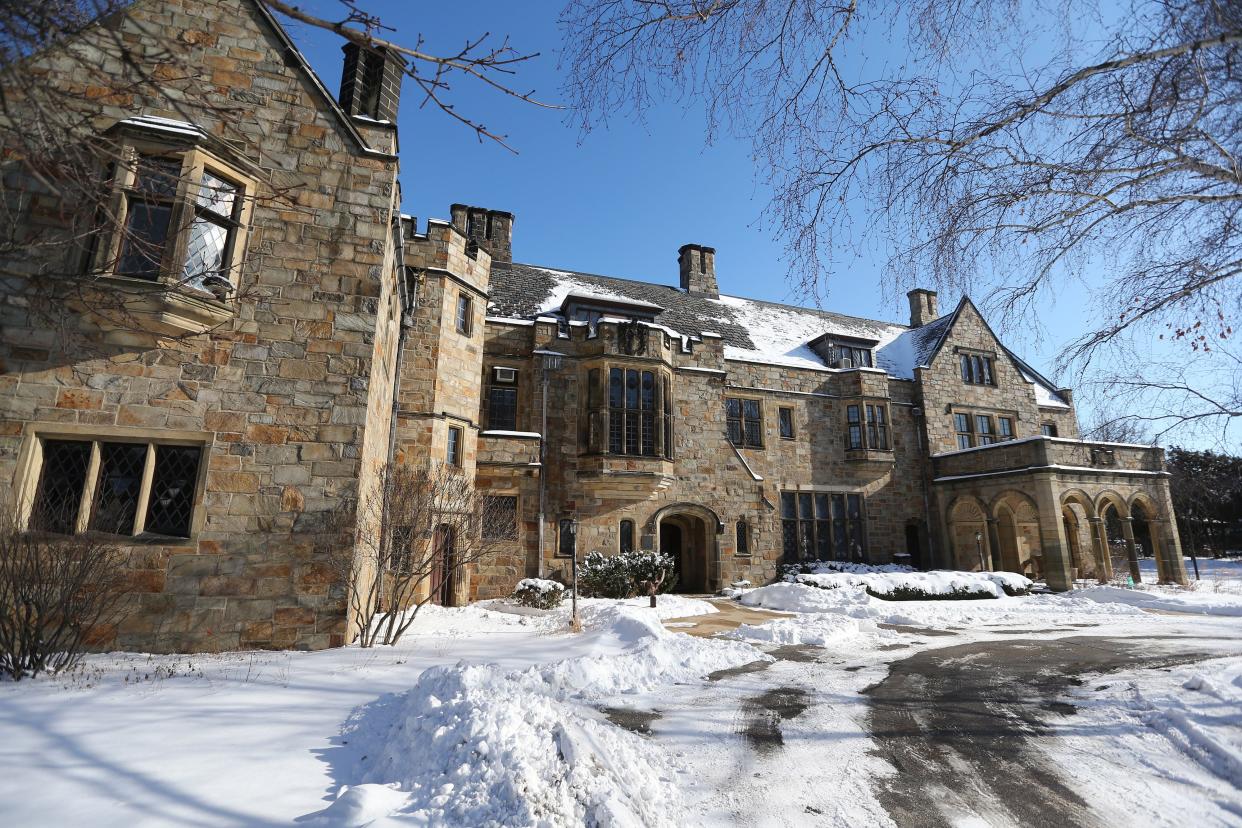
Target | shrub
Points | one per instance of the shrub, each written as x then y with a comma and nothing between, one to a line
56,593
915,594
605,577
539,593
622,576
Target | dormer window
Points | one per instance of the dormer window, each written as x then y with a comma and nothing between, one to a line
844,352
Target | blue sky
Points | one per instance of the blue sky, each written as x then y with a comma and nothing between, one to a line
621,200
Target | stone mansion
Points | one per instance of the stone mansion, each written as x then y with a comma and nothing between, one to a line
327,334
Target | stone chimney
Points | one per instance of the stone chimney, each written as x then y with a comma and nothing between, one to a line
698,270
491,230
923,307
371,83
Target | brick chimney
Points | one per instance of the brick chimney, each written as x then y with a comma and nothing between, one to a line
371,82
491,230
698,270
923,307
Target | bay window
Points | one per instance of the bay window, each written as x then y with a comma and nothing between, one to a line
629,412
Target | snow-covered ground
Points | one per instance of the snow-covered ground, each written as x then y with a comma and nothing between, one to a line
497,715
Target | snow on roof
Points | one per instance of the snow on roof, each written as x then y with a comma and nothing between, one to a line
780,335
750,330
165,125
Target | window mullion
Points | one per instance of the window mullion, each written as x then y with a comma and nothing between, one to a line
88,490
144,491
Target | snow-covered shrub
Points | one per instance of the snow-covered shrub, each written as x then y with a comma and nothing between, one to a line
910,593
790,572
539,593
623,575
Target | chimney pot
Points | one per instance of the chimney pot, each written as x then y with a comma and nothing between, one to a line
923,307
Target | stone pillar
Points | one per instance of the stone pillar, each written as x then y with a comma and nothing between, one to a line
1127,531
994,543
1099,547
1168,551
1058,562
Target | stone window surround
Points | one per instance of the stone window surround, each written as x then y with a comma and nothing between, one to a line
621,532
763,419
195,161
30,464
863,425
463,313
1014,416
745,540
859,540
990,369
490,382
785,413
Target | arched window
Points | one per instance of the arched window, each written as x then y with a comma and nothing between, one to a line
627,536
743,537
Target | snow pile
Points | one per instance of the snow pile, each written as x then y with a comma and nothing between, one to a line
650,655
823,630
1198,602
799,597
940,582
473,746
481,746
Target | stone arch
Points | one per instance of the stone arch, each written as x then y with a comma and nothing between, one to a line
696,509
687,532
1083,528
1111,498
1082,499
1019,547
967,521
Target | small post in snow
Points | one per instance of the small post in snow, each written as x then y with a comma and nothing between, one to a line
575,623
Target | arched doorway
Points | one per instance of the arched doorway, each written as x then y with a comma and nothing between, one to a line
1017,531
1145,538
687,533
968,534
1082,533
1114,516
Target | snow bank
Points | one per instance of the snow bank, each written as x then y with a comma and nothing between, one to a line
824,630
940,582
481,746
1199,602
852,600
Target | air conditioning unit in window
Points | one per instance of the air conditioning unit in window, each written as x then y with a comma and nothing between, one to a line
844,363
505,375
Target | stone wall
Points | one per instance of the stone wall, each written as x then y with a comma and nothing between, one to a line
289,397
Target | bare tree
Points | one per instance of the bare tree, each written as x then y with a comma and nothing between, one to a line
409,542
57,593
61,215
1009,147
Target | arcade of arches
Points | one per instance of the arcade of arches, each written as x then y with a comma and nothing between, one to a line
1063,534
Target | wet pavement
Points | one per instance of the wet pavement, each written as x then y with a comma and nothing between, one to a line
961,724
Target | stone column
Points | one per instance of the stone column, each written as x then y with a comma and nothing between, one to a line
1058,563
1127,531
1099,547
1168,551
994,543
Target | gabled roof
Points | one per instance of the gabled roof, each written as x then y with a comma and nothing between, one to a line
932,337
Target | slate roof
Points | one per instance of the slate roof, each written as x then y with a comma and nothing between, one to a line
751,329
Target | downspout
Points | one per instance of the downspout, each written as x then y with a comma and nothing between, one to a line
543,473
